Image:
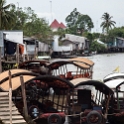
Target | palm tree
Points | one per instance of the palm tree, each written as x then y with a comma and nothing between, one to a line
107,22
6,16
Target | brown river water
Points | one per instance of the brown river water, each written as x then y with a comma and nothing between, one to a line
106,64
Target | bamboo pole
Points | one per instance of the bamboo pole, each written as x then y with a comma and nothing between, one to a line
0,61
10,96
24,98
17,55
35,52
26,51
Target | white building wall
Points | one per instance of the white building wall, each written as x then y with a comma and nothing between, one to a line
58,48
42,47
76,39
15,36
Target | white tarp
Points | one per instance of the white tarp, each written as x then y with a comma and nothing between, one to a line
100,42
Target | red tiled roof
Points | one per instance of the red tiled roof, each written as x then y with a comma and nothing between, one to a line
54,24
62,25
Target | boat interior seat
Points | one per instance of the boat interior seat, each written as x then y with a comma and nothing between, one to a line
84,98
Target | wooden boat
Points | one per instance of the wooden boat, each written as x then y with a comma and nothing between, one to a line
44,102
72,68
89,102
116,82
37,66
9,112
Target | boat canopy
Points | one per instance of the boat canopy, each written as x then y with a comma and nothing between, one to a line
59,63
83,60
15,78
53,81
16,82
14,72
114,83
30,62
113,75
97,84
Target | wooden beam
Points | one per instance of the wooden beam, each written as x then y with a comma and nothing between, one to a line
24,98
10,96
0,61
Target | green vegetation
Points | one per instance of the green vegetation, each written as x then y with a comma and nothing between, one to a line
95,46
17,18
6,15
78,23
107,22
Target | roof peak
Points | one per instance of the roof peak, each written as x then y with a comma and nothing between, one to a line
56,24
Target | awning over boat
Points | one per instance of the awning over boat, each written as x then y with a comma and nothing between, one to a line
4,75
59,63
81,65
97,84
83,60
33,62
54,82
114,83
113,75
16,82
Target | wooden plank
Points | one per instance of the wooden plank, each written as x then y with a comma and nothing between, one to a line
13,117
8,113
6,105
16,122
24,98
4,98
4,93
0,61
10,96
5,101
7,109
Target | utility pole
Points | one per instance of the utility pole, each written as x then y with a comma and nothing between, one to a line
51,11
18,4
18,7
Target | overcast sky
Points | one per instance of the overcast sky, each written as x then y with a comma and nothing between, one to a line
59,9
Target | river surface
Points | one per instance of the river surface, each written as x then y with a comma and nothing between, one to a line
106,64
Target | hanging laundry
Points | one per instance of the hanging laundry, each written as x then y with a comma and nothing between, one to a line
21,49
10,47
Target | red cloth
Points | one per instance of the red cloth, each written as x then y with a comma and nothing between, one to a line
21,49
